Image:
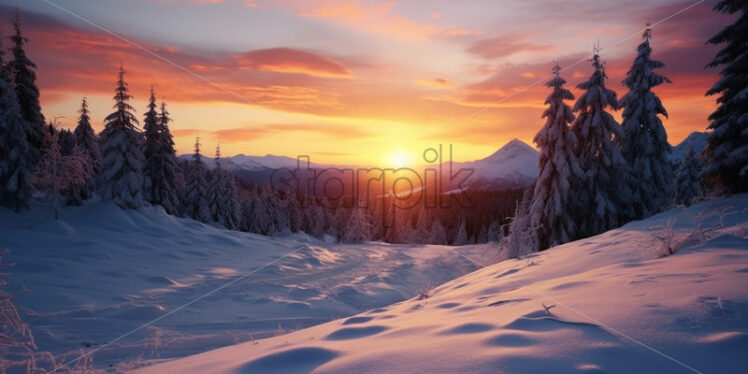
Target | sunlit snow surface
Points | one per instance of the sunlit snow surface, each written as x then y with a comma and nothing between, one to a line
619,305
100,272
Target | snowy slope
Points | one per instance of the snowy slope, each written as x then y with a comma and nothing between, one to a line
619,307
100,272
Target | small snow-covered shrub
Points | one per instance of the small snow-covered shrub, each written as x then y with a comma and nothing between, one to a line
672,242
424,292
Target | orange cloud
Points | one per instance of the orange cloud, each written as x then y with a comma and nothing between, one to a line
504,46
287,60
251,133
436,82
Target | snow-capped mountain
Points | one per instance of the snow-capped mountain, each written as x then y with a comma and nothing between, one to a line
696,139
513,165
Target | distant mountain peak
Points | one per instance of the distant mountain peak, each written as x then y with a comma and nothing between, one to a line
513,149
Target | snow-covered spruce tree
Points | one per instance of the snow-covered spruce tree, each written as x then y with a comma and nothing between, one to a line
553,203
170,173
223,198
420,234
358,228
86,142
644,143
688,185
461,238
196,195
24,78
151,150
494,233
438,234
727,145
263,217
17,157
57,173
522,238
160,167
600,193
121,177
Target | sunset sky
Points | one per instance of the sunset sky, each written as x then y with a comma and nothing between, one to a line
354,81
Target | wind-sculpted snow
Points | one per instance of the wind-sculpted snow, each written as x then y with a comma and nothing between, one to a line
609,303
101,271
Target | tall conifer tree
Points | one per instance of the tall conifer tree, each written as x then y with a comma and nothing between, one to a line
552,206
160,169
196,199
16,153
644,143
599,193
121,177
86,142
24,78
727,145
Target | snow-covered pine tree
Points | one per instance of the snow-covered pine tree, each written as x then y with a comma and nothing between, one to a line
160,167
223,199
599,194
358,228
340,220
196,195
552,206
494,233
86,142
151,150
644,143
170,173
57,172
264,218
121,177
522,238
292,210
422,229
17,157
688,186
437,235
726,151
461,238
27,92
320,224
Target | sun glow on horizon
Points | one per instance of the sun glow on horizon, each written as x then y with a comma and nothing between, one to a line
399,157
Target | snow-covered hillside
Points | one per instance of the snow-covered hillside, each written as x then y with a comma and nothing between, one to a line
610,303
101,271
